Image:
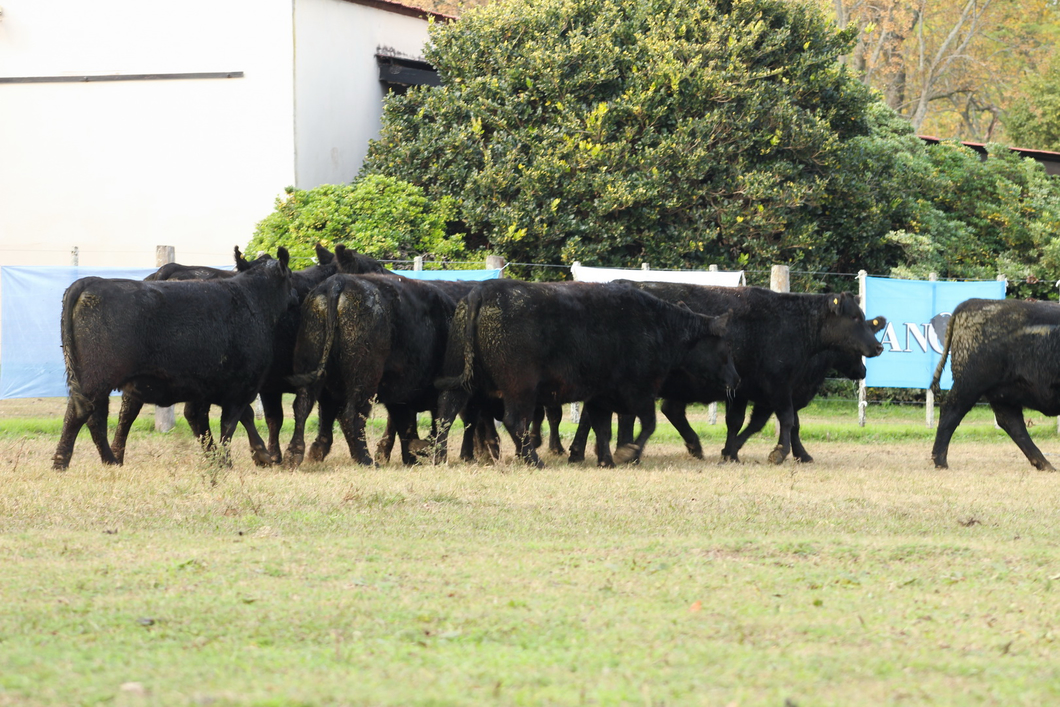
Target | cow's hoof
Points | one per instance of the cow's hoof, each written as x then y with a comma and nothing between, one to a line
804,459
777,457
294,459
317,452
261,458
729,458
627,453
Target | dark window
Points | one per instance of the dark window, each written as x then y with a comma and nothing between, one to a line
398,74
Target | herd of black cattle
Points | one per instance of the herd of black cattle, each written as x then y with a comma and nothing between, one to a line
346,333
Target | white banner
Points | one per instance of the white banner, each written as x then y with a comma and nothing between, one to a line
688,277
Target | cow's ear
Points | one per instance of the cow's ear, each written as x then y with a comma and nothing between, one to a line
342,256
720,325
324,256
878,324
241,263
835,303
283,256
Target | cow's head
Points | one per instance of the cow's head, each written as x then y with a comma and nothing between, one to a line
711,356
845,329
242,264
852,366
353,263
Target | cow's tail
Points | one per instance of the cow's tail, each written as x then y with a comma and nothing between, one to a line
471,306
331,318
945,354
70,358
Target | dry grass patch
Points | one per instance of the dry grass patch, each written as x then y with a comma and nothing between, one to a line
867,577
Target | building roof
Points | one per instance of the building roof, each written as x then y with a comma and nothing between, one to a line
400,9
980,147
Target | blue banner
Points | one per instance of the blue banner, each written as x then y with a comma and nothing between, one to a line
912,344
450,274
31,359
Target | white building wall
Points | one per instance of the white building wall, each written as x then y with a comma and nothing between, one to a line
338,96
116,168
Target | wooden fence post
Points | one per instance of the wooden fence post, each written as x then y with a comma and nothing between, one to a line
929,395
417,263
712,409
863,402
495,262
779,281
165,417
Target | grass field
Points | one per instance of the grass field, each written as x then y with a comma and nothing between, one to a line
867,577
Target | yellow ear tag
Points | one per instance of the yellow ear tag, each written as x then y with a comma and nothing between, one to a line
875,322
835,300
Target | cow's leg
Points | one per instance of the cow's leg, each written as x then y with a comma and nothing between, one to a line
554,414
385,448
403,419
97,426
760,414
470,415
327,412
957,405
486,443
303,405
518,413
232,413
580,439
631,452
78,410
786,417
197,413
272,406
130,408
601,422
351,421
258,451
626,423
674,411
535,426
1010,419
797,450
450,404
735,412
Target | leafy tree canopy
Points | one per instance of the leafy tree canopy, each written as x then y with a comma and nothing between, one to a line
680,132
380,216
1034,120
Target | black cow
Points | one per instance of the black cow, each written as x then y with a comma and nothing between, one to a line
804,390
365,337
275,384
534,344
774,336
1007,351
196,412
165,342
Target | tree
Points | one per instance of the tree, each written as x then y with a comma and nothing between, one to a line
950,67
983,218
1034,120
681,132
379,216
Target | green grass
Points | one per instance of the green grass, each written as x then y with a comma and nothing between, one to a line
867,577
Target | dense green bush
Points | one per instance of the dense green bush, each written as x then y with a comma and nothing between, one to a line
680,132
380,216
